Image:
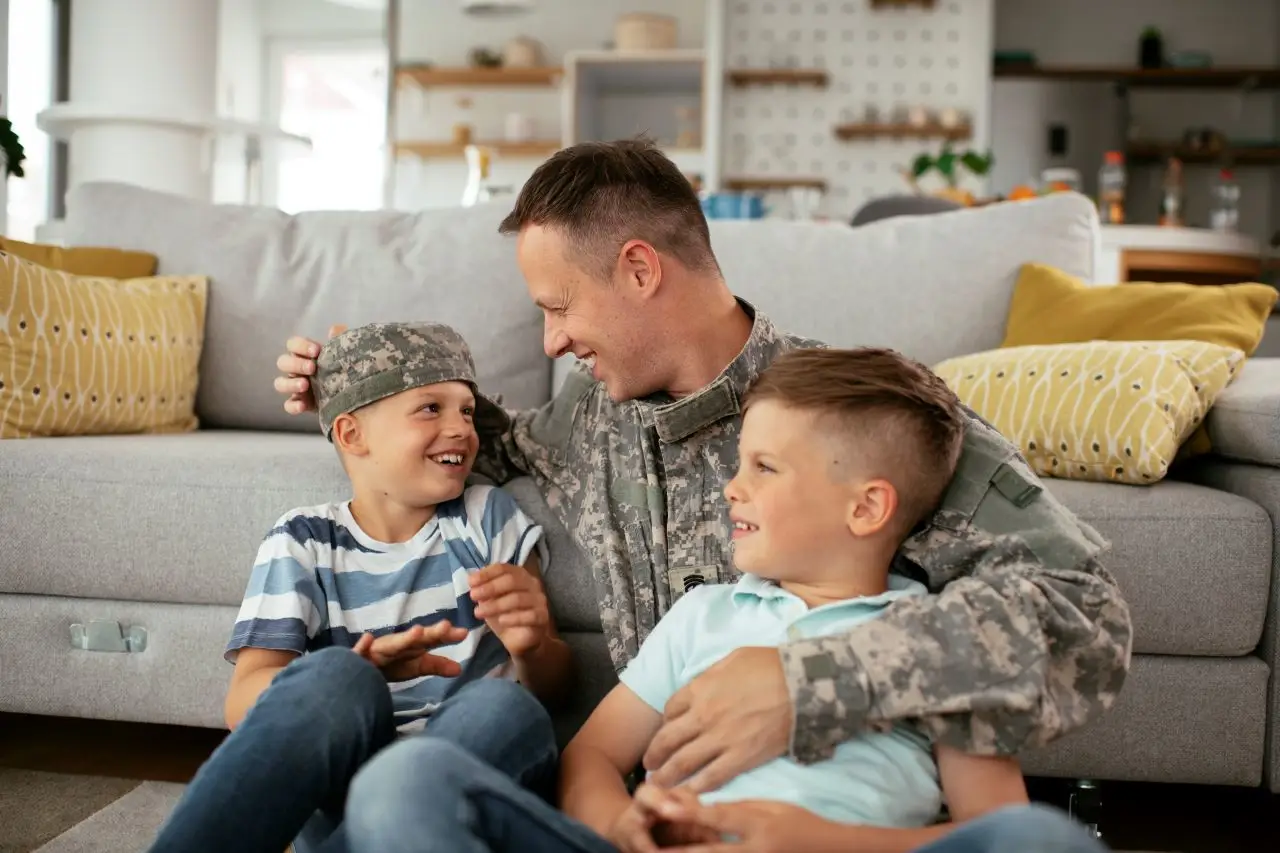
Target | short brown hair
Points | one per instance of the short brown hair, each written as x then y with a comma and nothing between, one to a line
900,418
602,194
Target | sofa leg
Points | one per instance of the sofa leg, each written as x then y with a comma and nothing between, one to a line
1084,804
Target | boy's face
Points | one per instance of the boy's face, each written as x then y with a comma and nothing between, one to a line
418,446
790,516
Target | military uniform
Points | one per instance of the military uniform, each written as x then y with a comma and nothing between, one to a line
1027,636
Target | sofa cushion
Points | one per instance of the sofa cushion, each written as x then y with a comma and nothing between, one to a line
1194,563
160,518
931,286
1244,424
89,355
103,262
274,275
1113,411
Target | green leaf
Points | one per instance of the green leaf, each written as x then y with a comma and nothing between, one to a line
947,164
976,163
922,165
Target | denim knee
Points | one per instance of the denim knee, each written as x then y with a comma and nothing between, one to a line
334,684
409,776
1035,827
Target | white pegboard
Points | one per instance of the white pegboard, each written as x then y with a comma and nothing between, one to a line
910,56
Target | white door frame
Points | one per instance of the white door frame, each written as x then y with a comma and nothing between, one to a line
273,78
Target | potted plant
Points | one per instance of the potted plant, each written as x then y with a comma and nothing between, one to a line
948,164
11,153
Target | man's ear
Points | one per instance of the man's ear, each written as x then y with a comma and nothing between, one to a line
349,435
640,267
872,506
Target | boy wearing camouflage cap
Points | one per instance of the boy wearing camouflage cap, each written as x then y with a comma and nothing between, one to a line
415,606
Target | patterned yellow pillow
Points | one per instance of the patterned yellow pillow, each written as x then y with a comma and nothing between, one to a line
90,356
1115,411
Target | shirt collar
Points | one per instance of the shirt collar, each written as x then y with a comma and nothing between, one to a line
676,420
754,586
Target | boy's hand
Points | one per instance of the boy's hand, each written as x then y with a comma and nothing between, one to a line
512,603
297,363
672,809
406,654
759,826
632,831
645,827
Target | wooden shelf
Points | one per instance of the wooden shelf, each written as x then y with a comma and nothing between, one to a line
785,76
898,4
427,75
1173,78
869,130
766,184
444,149
1157,152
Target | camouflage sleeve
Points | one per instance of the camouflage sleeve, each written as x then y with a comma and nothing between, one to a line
539,439
1008,654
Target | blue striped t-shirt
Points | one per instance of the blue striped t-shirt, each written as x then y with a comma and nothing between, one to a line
319,580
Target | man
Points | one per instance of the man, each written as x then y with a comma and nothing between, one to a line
633,455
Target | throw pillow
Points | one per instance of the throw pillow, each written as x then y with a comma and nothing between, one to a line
1052,307
82,355
88,260
1114,411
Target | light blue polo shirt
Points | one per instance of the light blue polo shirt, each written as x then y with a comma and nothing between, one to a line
885,779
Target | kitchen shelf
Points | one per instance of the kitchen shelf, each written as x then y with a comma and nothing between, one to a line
1157,152
766,184
786,76
874,130
1172,78
428,75
900,4
445,149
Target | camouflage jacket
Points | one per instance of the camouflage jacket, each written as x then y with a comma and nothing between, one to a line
1025,636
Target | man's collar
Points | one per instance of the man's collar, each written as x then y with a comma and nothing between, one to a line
679,419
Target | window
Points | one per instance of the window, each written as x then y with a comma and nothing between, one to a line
336,94
30,90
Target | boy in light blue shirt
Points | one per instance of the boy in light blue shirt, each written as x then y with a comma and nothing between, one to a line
842,454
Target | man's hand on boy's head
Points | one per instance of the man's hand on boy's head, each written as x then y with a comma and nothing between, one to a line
513,604
406,654
729,719
297,363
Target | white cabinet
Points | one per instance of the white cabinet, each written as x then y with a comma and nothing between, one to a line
660,93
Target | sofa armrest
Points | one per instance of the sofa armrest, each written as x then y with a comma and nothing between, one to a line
1260,484
1244,423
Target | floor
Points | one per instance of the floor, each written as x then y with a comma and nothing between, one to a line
1135,817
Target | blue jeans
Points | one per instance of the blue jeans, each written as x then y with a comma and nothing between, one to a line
466,806
283,775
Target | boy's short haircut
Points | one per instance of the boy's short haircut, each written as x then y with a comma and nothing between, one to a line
890,416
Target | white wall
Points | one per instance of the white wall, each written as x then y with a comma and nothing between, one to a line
442,34
1234,32
246,31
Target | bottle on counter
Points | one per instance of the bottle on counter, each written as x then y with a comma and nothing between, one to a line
1225,214
1111,185
1171,196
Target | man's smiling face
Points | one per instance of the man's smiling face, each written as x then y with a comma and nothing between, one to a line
599,321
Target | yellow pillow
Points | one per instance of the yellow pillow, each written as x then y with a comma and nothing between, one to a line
88,260
1114,411
92,356
1051,307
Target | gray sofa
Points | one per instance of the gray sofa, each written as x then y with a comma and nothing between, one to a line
158,533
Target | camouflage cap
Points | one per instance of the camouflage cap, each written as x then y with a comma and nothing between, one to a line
368,363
